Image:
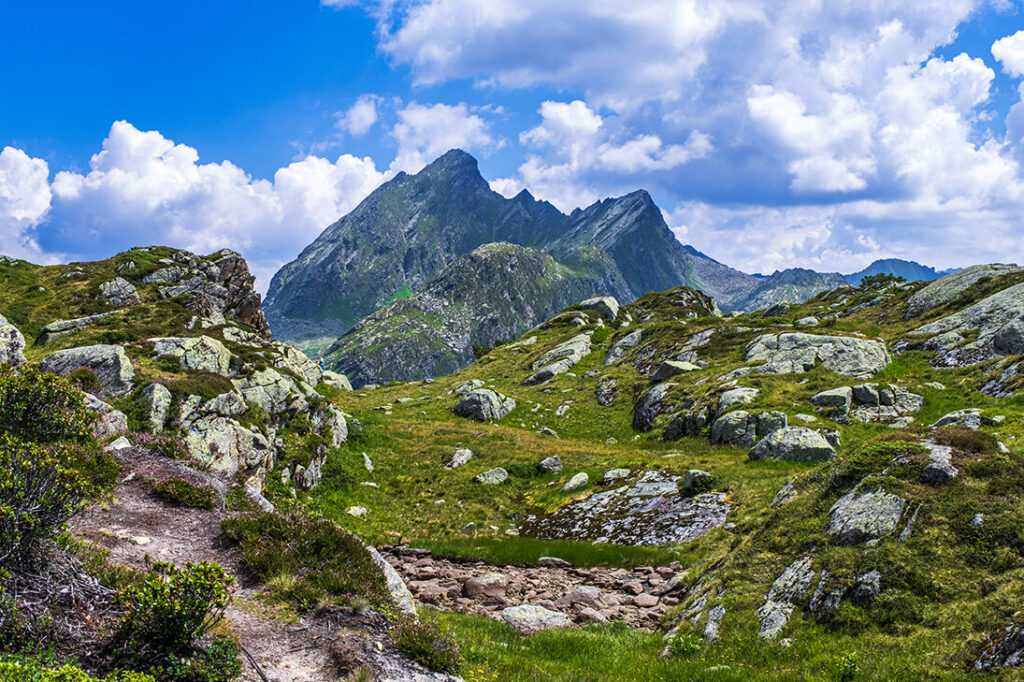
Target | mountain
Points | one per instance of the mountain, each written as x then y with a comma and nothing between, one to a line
496,292
409,229
794,285
907,269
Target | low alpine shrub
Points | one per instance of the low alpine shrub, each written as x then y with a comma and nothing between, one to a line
42,407
185,494
427,644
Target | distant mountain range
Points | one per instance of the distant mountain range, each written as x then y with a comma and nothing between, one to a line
404,271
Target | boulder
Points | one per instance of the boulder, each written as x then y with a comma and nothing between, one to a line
228,447
171,274
468,386
945,289
970,418
606,391
484,404
797,352
550,465
336,380
60,328
529,618
696,482
736,396
940,469
671,368
737,429
330,421
577,482
292,360
109,363
12,344
860,517
809,321
200,353
276,393
603,305
119,292
458,458
787,590
995,321
156,400
559,359
839,398
395,586
492,476
487,585
650,406
614,475
793,444
109,422
623,345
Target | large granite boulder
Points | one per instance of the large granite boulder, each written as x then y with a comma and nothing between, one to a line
793,444
741,429
275,392
797,352
604,305
109,363
858,517
200,353
12,344
944,290
484,404
119,292
559,359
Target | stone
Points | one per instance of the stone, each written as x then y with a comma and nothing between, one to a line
737,429
226,446
606,306
940,469
396,587
606,391
12,344
645,600
736,396
713,627
483,404
336,380
696,482
671,368
109,422
276,393
614,476
468,386
650,406
529,618
839,398
119,292
971,418
577,482
559,360
488,585
780,308
553,562
867,587
1004,650
60,328
458,458
793,444
945,289
997,323
120,443
809,321
866,394
492,476
787,590
200,353
167,275
109,363
621,347
860,517
356,511
157,401
550,465
770,422
797,352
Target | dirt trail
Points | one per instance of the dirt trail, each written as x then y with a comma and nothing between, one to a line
318,648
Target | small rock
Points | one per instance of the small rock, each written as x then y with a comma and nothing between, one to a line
613,475
696,482
528,618
577,482
550,465
356,511
458,458
492,477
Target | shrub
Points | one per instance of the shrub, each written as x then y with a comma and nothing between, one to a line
686,644
85,379
185,494
314,551
42,407
427,644
967,440
31,670
218,662
172,608
39,493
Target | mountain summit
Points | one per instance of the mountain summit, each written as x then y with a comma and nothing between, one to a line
410,228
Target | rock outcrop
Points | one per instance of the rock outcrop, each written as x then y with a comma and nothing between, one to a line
795,352
12,344
483,404
110,364
944,290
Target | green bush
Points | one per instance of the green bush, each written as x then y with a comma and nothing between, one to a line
185,494
30,670
427,644
219,662
84,379
39,493
172,608
967,440
42,407
313,551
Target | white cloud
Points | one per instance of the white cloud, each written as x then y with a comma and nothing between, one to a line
144,189
1010,51
424,132
360,117
24,202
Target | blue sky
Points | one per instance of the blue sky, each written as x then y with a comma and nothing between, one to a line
772,134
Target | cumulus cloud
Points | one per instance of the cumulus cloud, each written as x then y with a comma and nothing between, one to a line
24,202
360,117
424,132
1010,51
143,188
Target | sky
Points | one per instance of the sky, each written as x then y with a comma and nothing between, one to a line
772,134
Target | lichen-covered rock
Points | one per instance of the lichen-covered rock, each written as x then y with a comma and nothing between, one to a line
336,380
838,398
550,465
291,359
200,353
604,305
696,482
458,458
860,517
396,587
606,391
492,476
228,447
109,422
623,345
736,396
60,328
1004,650
671,368
12,344
276,393
614,476
997,321
109,363
945,289
940,469
559,359
483,404
796,352
119,292
577,482
787,590
793,444
970,418
529,618
737,429
330,421
650,406
156,399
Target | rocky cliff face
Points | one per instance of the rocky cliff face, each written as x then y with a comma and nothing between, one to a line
795,285
408,230
496,292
